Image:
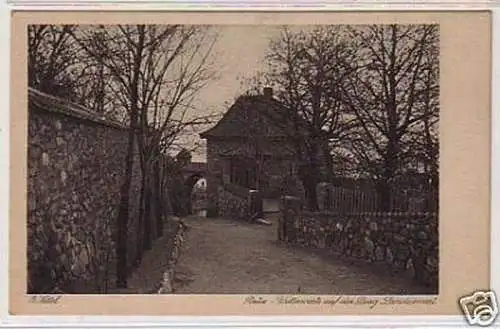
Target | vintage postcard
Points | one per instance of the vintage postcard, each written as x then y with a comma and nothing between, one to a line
249,163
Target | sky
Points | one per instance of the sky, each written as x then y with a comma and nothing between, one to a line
240,52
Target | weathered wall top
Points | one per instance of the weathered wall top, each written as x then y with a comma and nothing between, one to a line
46,102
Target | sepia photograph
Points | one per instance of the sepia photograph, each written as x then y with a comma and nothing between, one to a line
233,159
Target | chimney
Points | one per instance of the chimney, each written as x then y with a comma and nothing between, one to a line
268,92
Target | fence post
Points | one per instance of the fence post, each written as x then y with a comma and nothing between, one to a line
291,212
256,205
281,220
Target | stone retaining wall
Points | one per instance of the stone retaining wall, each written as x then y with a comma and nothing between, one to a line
167,284
406,242
76,164
233,202
236,202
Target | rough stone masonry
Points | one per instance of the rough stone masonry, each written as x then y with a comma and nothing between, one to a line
75,172
406,242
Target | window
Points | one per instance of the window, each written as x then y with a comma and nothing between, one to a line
242,172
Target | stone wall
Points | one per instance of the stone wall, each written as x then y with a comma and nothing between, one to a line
406,242
76,166
214,180
239,203
233,202
168,280
219,150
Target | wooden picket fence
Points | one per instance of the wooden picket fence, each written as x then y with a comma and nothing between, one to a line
366,199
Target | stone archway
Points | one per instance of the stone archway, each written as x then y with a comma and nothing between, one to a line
195,197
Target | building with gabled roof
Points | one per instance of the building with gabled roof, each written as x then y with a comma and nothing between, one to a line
250,146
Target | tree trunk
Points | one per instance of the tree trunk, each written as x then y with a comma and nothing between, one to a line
124,204
384,196
158,199
311,195
330,170
176,197
308,175
385,185
147,242
140,221
123,214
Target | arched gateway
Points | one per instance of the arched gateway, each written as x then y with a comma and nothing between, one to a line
192,173
248,149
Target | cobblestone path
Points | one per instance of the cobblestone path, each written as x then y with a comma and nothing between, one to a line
226,257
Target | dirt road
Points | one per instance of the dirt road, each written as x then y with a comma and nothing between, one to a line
228,257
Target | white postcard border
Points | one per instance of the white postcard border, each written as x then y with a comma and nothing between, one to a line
8,321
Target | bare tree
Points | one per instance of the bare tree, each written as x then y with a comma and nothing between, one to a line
168,110
364,98
96,87
58,65
53,60
394,97
157,72
304,67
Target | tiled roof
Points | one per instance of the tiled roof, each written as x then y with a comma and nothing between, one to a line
250,116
